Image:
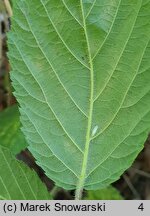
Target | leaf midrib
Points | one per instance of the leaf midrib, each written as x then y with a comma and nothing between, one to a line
82,177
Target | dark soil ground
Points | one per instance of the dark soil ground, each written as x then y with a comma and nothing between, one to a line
133,184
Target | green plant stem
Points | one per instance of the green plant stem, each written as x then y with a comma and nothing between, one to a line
78,194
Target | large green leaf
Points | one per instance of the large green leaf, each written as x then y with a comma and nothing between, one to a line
11,136
17,181
81,73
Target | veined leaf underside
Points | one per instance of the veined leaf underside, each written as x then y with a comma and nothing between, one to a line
81,76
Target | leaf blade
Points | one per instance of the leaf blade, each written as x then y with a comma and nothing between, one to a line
17,181
99,125
10,135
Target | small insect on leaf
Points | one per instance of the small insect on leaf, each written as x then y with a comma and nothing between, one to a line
94,130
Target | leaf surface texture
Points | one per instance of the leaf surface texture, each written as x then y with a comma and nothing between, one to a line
81,73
